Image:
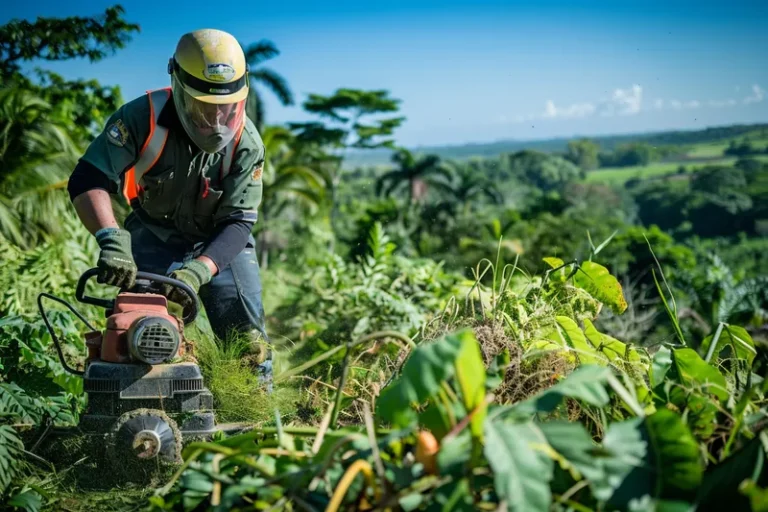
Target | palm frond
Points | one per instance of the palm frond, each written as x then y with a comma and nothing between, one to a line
274,82
260,51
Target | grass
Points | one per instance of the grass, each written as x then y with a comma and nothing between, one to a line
619,175
696,157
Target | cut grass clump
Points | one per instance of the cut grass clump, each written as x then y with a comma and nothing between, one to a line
230,371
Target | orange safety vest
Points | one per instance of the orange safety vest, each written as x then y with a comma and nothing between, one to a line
155,143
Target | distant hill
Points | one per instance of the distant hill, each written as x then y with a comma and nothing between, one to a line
377,157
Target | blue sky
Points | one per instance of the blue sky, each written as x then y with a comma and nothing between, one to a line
477,71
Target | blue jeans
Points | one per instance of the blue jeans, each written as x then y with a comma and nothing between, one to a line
232,299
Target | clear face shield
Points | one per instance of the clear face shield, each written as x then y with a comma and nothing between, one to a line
210,126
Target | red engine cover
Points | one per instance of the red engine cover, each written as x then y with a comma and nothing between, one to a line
129,307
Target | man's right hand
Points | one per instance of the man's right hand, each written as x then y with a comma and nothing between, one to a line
116,264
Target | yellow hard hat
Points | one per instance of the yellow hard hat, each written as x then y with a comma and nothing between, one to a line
209,78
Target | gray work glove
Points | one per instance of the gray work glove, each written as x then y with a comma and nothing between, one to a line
116,264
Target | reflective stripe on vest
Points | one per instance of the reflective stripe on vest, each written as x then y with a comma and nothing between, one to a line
153,146
155,143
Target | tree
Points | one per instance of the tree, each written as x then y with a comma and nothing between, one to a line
468,186
543,171
56,39
292,179
344,111
583,153
36,156
82,105
255,54
415,173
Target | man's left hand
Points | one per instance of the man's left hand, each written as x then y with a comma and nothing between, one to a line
194,274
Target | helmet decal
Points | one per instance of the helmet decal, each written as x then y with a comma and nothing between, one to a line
219,72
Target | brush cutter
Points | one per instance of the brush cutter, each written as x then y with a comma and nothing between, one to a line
143,395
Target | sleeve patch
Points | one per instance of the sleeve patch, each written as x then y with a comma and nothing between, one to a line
117,133
257,171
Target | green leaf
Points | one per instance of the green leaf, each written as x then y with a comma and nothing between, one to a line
600,284
572,442
470,375
720,488
613,349
424,372
571,335
27,499
660,365
11,449
699,411
454,454
670,469
758,497
735,338
690,369
16,402
522,471
453,496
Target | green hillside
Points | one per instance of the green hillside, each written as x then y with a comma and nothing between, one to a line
708,141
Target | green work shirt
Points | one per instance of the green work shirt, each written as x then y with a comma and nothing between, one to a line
183,192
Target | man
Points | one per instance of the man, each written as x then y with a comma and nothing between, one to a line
189,162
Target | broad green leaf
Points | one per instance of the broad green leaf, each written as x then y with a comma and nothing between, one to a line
720,488
570,333
572,442
522,471
690,369
660,365
613,349
424,372
599,283
27,499
671,468
454,454
553,262
586,383
470,374
625,449
735,338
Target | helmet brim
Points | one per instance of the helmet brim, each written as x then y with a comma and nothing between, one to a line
216,99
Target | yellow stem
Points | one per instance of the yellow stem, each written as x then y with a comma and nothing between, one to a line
359,466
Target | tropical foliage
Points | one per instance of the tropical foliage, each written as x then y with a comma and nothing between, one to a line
491,333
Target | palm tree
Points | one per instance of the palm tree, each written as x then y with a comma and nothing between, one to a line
36,157
467,188
293,179
415,173
256,54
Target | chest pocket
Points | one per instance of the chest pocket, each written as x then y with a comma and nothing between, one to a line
207,202
158,197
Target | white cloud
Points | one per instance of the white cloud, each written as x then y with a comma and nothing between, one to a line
757,95
629,101
574,111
